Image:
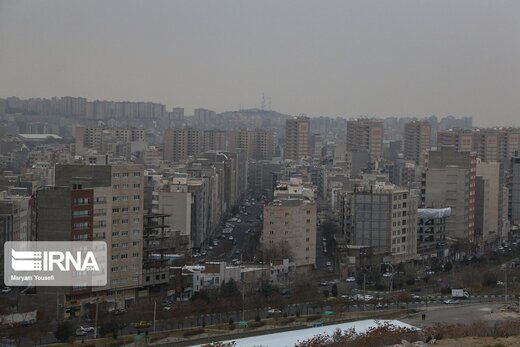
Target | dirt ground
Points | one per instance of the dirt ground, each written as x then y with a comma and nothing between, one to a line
480,342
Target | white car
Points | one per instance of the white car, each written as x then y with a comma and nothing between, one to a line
272,311
231,238
387,274
451,302
329,264
350,279
6,290
87,329
80,332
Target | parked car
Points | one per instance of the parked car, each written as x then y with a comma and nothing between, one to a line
451,302
80,332
141,324
6,290
380,306
119,311
27,323
87,329
273,311
350,279
231,238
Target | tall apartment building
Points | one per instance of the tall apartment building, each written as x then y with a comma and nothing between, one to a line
495,144
204,116
258,144
101,109
450,181
215,140
383,217
489,202
297,132
98,138
514,191
99,203
290,224
180,143
15,222
417,141
365,135
176,199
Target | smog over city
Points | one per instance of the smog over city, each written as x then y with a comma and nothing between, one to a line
254,173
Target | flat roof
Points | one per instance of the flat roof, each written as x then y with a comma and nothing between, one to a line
291,338
39,136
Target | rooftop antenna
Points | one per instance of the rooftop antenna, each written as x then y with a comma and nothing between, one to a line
263,102
269,104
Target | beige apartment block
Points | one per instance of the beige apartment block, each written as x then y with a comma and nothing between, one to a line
180,143
291,225
297,132
417,141
365,135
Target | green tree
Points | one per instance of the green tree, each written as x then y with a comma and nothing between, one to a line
229,289
109,328
334,290
64,331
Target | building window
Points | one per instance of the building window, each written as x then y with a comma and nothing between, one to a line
115,210
137,174
79,226
137,185
82,213
308,221
81,201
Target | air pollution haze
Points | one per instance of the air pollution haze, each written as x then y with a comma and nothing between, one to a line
336,58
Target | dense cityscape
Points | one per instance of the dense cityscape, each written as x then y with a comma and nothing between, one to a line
225,218
292,173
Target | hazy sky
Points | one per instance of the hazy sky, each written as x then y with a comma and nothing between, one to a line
346,58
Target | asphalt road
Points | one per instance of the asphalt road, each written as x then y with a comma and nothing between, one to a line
453,314
227,249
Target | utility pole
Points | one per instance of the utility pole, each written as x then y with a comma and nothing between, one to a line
505,284
57,306
364,291
243,294
154,313
96,319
